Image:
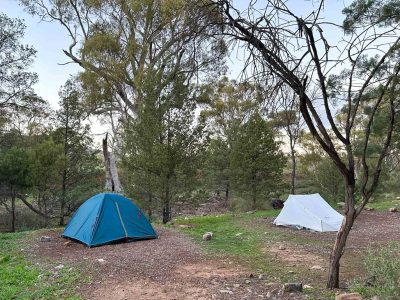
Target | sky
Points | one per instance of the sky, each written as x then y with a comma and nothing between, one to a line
50,38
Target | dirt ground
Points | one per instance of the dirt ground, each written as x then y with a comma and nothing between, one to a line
174,267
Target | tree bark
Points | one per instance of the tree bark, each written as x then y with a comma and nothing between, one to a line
63,195
341,238
112,179
167,202
149,208
293,185
227,193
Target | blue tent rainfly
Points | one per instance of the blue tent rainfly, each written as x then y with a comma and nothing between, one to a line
107,218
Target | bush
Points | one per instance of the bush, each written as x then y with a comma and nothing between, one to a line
383,270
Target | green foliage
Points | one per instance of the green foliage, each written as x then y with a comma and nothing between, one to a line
256,161
15,168
15,80
383,270
162,144
20,279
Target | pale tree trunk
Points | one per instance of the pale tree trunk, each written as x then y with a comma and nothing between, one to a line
112,179
341,238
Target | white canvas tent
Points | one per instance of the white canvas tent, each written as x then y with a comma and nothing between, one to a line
309,211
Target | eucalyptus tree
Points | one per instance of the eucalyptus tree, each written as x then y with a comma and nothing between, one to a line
16,81
294,50
121,45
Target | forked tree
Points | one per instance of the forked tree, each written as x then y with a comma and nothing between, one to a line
358,71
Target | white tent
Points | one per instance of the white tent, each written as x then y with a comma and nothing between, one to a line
309,211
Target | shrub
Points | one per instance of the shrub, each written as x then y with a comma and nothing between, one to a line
383,270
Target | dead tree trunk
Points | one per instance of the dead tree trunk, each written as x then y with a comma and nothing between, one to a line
112,180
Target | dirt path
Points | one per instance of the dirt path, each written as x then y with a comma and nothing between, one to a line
171,267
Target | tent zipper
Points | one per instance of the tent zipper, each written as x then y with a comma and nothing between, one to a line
120,218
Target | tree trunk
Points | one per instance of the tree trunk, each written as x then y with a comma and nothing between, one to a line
293,155
227,193
167,203
13,216
63,195
341,238
112,180
149,208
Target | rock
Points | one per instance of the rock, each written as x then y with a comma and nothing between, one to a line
282,247
261,276
184,226
292,287
207,236
67,243
307,287
317,267
369,208
251,212
398,198
341,204
45,239
100,260
291,272
247,281
348,296
226,292
236,285
59,267
393,209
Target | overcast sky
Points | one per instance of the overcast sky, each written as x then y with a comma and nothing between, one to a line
49,39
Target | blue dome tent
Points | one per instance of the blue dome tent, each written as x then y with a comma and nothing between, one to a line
107,218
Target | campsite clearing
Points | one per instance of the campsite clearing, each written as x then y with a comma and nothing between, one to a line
180,265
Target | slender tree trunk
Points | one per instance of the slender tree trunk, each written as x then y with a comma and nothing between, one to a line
227,193
149,208
341,238
63,195
167,202
13,216
293,155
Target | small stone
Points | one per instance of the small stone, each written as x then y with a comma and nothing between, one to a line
67,243
100,260
251,212
247,281
282,247
261,276
317,267
348,296
292,287
184,226
226,292
207,236
45,239
291,272
393,209
236,285
306,286
369,208
59,267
